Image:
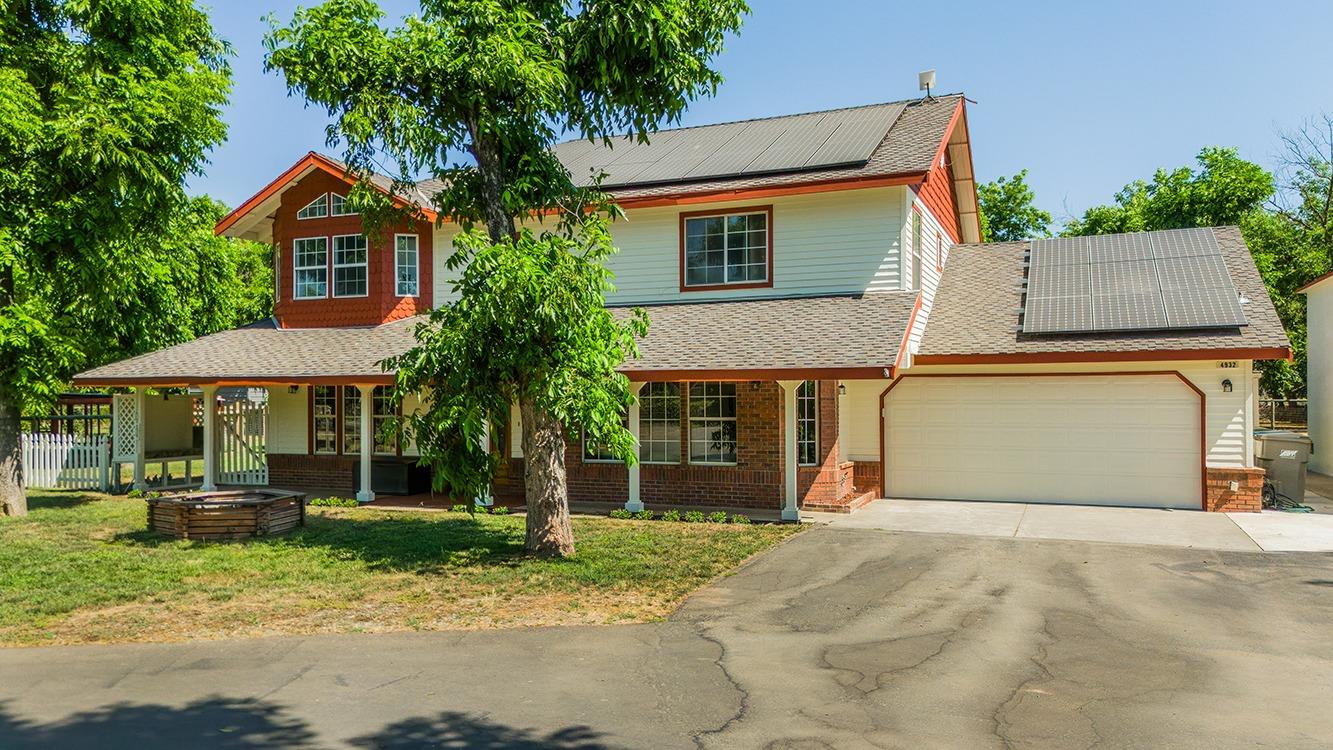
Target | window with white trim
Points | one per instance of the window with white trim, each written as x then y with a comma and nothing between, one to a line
310,276
594,451
939,251
351,416
807,423
382,413
659,423
726,249
712,423
349,266
315,209
916,250
338,206
324,418
405,265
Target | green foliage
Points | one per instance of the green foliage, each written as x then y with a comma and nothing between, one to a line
740,519
107,108
694,516
621,513
459,508
1009,211
334,502
500,510
671,515
717,516
644,515
529,324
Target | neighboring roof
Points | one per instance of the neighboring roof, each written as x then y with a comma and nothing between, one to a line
976,316
850,336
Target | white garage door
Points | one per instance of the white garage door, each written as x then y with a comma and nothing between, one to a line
1104,440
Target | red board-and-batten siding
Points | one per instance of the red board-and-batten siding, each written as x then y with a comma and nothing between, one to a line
381,304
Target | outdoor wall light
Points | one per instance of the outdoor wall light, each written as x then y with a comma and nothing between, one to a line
293,389
842,389
1226,386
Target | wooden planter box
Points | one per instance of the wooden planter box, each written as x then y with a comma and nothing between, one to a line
231,514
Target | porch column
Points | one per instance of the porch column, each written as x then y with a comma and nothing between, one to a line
365,494
634,504
485,498
789,510
140,475
210,403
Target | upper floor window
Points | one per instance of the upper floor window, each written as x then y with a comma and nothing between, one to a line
939,252
807,423
338,206
659,423
916,249
712,423
349,266
310,277
406,269
727,249
315,209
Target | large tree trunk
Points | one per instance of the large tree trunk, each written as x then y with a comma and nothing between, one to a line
548,531
13,501
490,166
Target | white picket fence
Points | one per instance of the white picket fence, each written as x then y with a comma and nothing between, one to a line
66,461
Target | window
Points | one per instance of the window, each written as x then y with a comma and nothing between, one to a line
595,452
405,265
310,279
382,401
324,418
659,423
338,206
713,423
939,252
721,250
807,423
916,249
351,419
349,266
315,209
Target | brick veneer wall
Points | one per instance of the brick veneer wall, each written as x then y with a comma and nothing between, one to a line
1247,498
336,474
867,477
755,481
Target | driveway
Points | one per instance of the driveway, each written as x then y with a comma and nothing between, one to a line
1269,531
838,638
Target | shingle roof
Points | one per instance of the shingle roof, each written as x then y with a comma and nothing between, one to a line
833,333
976,311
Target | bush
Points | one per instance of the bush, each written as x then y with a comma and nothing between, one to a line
134,494
459,508
644,515
671,515
694,516
500,510
717,517
742,520
334,502
621,513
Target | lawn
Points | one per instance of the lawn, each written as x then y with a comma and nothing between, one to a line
82,568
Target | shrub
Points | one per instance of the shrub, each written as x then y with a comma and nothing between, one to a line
334,502
500,510
621,513
134,494
694,516
644,515
459,508
740,519
671,515
719,516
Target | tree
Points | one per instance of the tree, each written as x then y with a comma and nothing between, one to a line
106,108
496,81
1009,210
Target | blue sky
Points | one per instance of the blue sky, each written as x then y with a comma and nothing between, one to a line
1087,96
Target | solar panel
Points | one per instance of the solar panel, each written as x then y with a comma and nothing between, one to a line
778,144
1175,279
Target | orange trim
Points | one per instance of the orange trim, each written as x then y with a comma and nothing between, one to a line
907,334
771,373
768,210
948,133
183,382
1203,412
1147,355
311,160
1311,283
743,194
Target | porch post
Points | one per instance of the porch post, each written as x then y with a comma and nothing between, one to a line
365,495
210,404
140,475
485,499
789,510
634,504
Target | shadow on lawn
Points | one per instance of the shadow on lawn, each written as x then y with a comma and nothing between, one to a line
42,499
241,724
400,542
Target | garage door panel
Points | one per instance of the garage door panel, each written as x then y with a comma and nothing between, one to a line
1115,440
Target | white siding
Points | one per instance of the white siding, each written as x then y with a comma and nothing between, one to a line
442,246
860,434
1319,373
288,421
169,424
930,272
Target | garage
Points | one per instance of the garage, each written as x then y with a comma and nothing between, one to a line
1123,439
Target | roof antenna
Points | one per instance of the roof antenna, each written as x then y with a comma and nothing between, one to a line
925,81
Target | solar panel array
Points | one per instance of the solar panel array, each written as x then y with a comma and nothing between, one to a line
777,144
1174,279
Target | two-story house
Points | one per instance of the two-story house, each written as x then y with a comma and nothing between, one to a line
826,329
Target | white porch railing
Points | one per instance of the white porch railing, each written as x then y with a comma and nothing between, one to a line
242,431
66,461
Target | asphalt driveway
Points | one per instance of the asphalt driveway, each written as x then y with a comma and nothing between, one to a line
839,638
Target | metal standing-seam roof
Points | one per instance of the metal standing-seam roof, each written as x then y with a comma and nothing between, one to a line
976,315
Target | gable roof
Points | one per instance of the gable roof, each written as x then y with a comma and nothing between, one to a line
976,317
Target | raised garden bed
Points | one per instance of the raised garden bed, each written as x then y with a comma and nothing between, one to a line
229,514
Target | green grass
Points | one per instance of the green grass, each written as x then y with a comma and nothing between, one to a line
83,568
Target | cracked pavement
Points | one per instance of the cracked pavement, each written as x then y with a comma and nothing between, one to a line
838,638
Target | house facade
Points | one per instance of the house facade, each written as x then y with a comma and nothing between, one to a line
825,329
